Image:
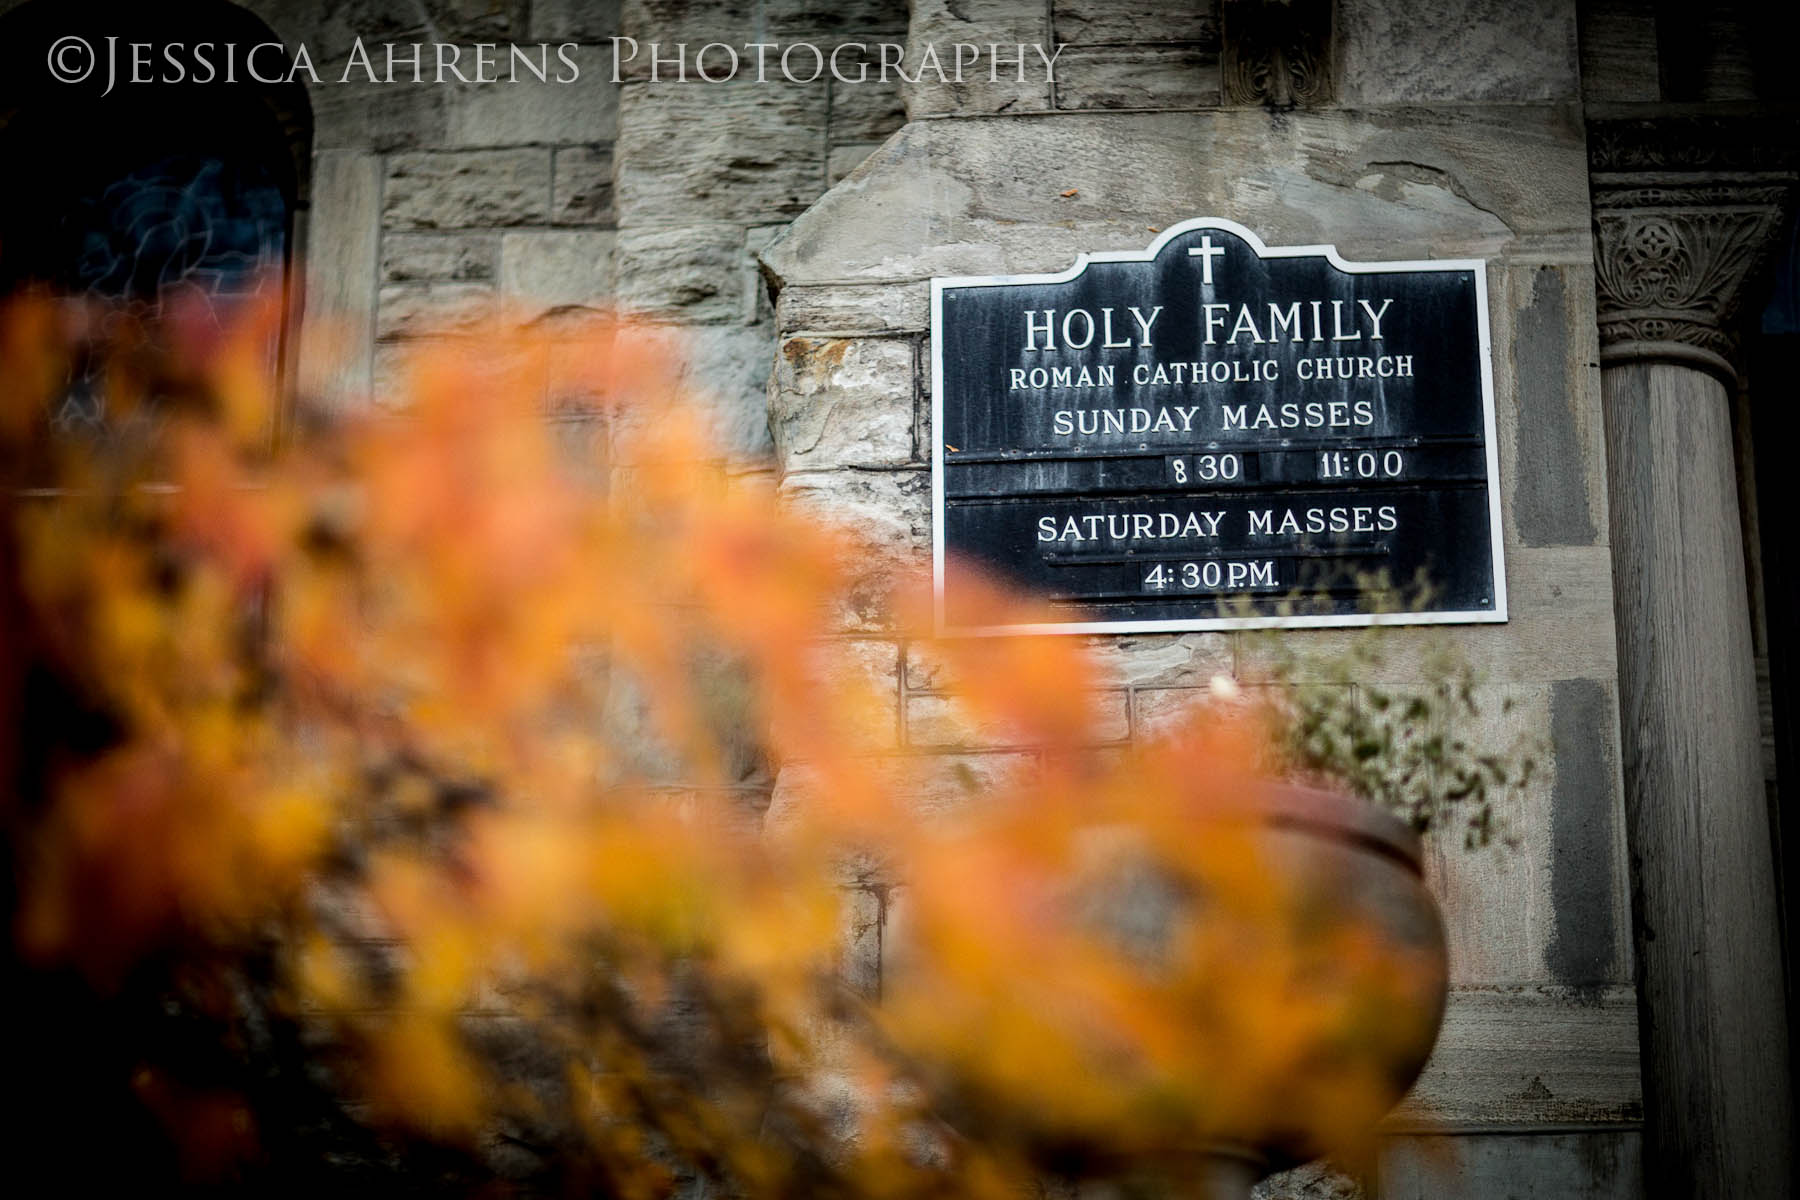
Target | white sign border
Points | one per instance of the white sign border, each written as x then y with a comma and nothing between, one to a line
1476,266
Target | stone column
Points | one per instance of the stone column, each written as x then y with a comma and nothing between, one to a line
1684,211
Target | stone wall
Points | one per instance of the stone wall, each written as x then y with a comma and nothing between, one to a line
1402,133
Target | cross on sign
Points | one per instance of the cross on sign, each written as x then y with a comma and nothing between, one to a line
1206,250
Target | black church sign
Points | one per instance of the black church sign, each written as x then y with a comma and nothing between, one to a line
1217,434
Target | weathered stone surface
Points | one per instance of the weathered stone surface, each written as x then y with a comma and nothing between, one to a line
582,444
973,197
440,258
575,21
1618,52
329,27
688,274
1086,22
759,305
1183,661
724,368
936,785
1163,659
861,678
943,721
844,159
738,22
838,402
856,308
889,511
1560,626
342,228
719,152
1420,50
1555,470
470,188
1590,915
986,88
860,963
1525,1055
582,189
546,269
1600,1164
636,733
1313,1181
1137,77
868,109
522,109
1506,907
416,310
378,116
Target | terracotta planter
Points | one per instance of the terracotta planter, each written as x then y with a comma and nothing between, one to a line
1361,867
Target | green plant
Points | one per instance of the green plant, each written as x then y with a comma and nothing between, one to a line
1422,749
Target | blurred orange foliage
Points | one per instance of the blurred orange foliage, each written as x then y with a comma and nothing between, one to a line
344,692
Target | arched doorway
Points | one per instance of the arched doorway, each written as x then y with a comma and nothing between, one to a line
148,197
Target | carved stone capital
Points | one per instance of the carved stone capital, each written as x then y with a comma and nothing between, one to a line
1276,53
1686,213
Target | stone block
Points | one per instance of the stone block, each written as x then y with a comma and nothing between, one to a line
582,442
571,105
467,189
1618,53
889,512
690,274
1137,77
542,270
854,309
864,106
1523,1055
382,117
1311,1181
643,749
759,305
342,230
988,88
860,677
1560,609
739,151
1091,22
844,159
723,369
981,197
440,258
582,186
422,310
1157,711
839,402
738,22
1595,1164
860,964
575,21
944,721
330,27
1185,662
1551,907
931,786
1418,51
1163,659
1555,468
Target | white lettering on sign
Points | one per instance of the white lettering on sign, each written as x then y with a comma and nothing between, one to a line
1291,323
1043,325
1130,526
